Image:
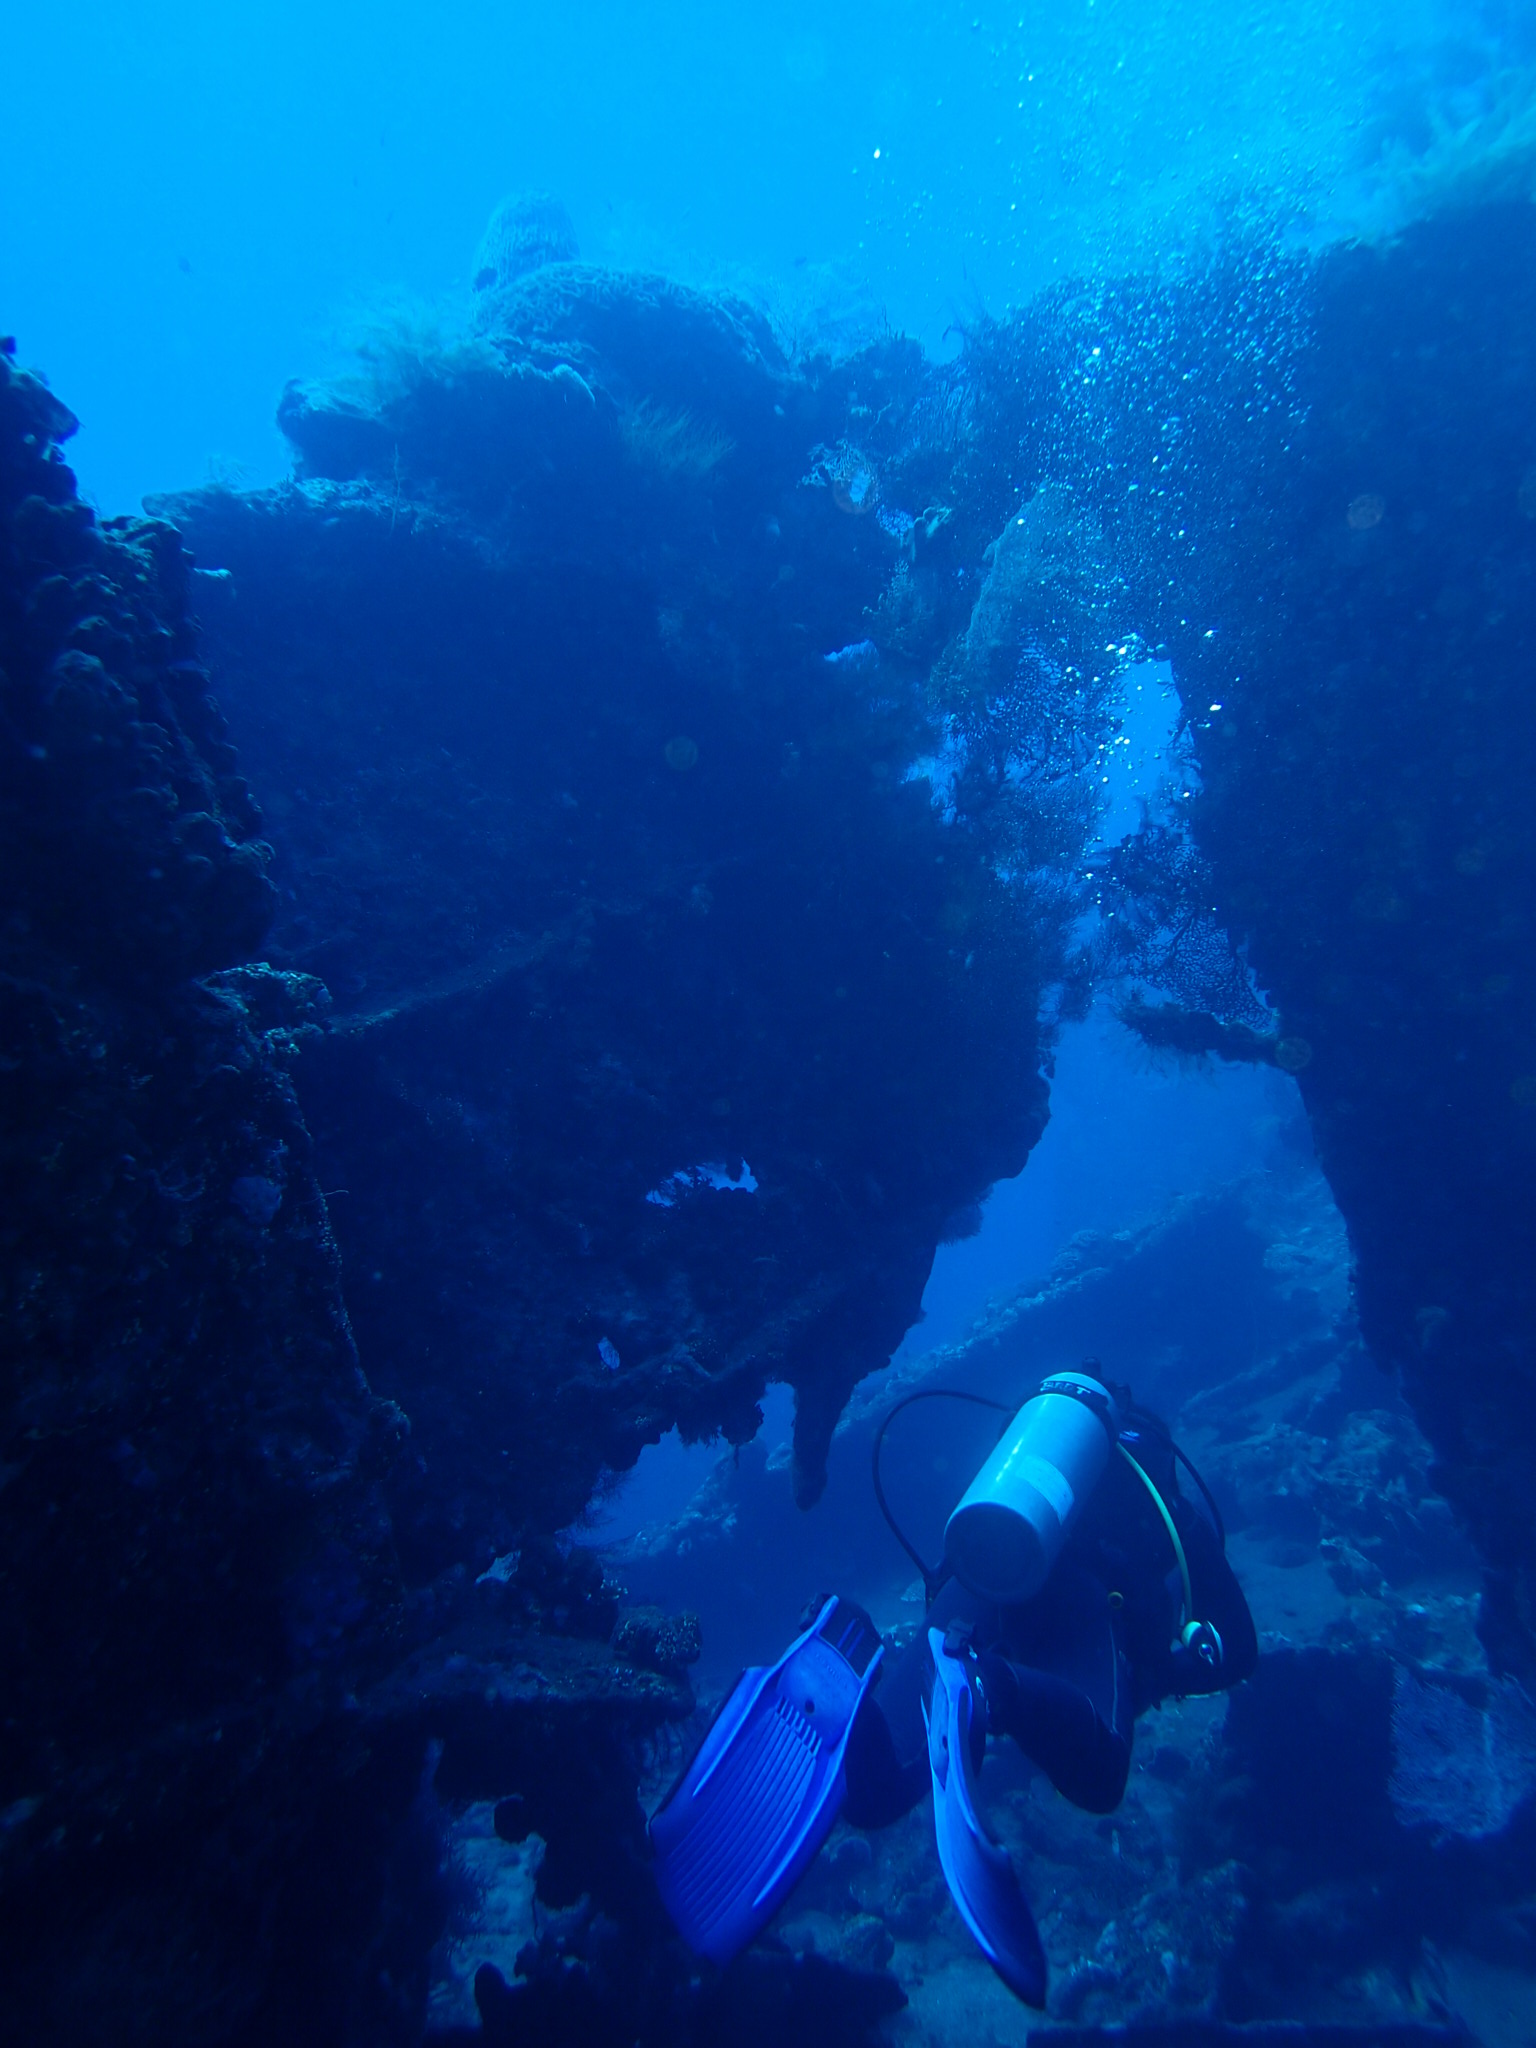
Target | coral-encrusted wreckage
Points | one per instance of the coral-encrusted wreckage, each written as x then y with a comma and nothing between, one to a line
533,931
672,1024
1334,541
633,1021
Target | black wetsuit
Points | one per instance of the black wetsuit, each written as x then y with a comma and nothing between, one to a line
1067,1673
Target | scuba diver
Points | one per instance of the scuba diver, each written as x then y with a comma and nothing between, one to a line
1079,1587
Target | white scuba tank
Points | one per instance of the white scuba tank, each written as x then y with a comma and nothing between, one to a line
1003,1538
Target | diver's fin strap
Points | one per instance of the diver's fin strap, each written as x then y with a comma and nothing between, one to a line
755,1804
979,1871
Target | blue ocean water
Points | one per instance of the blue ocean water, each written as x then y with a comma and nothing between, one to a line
292,168
710,718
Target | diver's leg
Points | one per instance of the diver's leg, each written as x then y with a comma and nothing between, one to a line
882,1785
1058,1727
1064,1693
886,1765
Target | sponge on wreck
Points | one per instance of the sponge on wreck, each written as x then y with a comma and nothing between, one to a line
526,231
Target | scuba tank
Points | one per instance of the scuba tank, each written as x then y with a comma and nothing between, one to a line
1005,1535
1020,1506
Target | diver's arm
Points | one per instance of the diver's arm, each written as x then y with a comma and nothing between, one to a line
1219,1600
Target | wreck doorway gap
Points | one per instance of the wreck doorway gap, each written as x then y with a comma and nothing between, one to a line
1127,1135
669,1475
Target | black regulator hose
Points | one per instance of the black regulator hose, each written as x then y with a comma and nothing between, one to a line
934,1576
1210,1498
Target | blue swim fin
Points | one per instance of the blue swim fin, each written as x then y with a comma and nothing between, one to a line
756,1803
979,1872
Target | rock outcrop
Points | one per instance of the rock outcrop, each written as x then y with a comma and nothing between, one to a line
195,1554
688,949
657,923
1318,482
1367,821
230,1718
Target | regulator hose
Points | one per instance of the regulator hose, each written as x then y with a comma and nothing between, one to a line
1168,1523
935,1577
